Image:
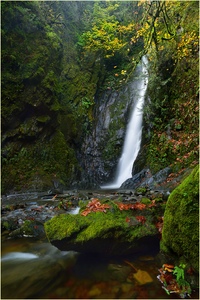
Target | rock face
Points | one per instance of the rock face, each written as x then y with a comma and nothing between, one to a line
145,178
101,150
115,231
181,220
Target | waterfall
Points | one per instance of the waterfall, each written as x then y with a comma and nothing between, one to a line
133,136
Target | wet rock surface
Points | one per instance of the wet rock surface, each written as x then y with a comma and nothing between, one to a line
24,214
101,148
114,223
28,274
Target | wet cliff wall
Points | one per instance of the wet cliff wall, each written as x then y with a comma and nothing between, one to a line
102,148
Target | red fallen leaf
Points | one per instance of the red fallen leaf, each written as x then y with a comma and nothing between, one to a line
93,206
94,203
85,213
159,225
128,219
123,206
139,206
168,278
141,219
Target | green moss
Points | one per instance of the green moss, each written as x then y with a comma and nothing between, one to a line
27,227
43,119
111,224
181,219
35,165
164,248
6,225
145,201
141,190
158,200
63,226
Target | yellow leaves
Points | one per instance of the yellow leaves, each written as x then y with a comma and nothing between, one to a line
167,36
141,2
189,44
106,37
123,72
142,32
160,48
142,277
133,39
126,29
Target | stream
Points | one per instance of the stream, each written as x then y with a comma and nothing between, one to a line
34,269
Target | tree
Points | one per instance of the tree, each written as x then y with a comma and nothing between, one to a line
107,35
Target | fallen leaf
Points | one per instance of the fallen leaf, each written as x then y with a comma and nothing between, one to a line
141,219
139,206
142,277
93,206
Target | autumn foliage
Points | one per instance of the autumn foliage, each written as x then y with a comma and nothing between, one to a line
93,206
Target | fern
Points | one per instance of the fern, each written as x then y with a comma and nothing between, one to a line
179,272
180,277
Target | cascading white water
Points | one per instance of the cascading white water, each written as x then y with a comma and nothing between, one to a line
134,131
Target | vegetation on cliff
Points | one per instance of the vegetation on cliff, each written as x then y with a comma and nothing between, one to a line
43,116
171,39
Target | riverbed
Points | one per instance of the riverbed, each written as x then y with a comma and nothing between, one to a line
33,268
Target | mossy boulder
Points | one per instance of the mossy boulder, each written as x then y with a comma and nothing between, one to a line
181,220
115,232
145,200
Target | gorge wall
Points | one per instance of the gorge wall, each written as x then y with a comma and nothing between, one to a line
66,102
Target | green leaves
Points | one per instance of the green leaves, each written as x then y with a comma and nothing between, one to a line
179,272
102,39
107,35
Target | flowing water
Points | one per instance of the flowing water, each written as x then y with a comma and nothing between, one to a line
134,129
36,269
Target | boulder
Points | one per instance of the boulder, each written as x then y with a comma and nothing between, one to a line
109,232
181,220
145,179
44,272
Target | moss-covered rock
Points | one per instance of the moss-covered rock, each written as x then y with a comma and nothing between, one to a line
181,220
145,200
140,190
115,232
